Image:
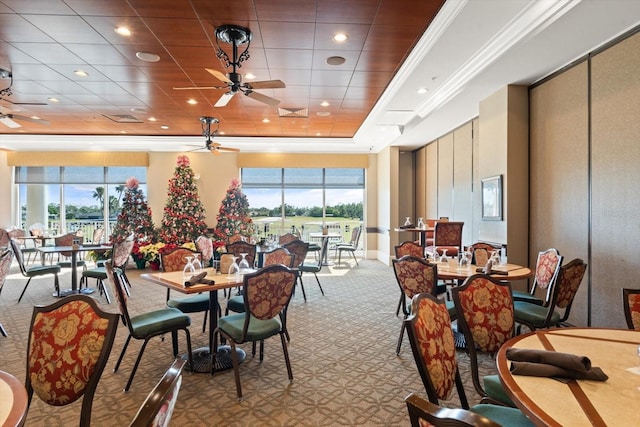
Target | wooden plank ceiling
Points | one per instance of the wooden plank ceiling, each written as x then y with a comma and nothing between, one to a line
44,41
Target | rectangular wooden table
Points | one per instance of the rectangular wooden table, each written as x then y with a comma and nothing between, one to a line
203,358
74,263
548,402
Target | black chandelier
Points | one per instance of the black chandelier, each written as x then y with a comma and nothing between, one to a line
206,123
235,35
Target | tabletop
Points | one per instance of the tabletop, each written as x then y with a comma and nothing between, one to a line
580,402
175,280
80,248
13,405
510,272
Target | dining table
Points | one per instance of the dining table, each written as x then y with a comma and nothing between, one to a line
13,401
576,402
203,358
324,236
422,233
74,251
503,272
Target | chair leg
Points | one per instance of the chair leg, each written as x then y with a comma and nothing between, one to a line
103,288
25,288
204,322
286,357
56,284
189,351
174,342
399,304
304,294
261,350
3,331
124,349
135,366
319,285
400,339
236,370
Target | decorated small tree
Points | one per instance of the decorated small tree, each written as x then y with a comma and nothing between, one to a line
233,216
183,217
135,216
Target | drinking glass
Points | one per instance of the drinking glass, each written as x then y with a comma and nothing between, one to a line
189,269
407,221
234,268
244,264
420,223
197,265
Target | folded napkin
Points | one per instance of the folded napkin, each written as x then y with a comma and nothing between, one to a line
560,366
198,278
407,226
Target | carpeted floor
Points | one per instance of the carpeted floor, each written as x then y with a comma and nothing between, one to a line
342,351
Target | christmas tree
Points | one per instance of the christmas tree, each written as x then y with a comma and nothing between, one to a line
183,217
233,216
135,216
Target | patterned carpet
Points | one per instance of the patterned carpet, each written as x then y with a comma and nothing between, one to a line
342,351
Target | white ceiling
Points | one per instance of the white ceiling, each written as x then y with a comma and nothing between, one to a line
472,49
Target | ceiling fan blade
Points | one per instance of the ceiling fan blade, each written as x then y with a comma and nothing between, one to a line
4,110
262,98
8,122
228,149
30,119
199,87
25,103
224,99
266,84
218,75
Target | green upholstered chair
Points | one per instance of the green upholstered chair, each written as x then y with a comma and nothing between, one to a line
547,268
34,270
315,267
564,290
266,293
62,369
147,325
119,258
423,413
433,346
482,294
415,275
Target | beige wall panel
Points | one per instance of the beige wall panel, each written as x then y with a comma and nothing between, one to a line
5,192
432,180
420,158
559,172
371,206
406,186
477,195
385,196
615,176
445,176
463,180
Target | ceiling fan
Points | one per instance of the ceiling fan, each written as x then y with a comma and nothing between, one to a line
236,35
4,74
210,145
9,119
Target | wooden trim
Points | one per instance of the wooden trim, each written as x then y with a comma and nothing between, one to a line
77,158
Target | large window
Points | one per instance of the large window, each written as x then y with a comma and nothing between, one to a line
304,199
66,199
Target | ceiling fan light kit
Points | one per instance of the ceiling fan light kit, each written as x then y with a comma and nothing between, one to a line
213,146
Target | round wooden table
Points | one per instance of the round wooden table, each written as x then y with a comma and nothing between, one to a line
13,401
548,402
506,272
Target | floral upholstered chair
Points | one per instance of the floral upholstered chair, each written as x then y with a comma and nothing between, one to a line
407,248
278,256
434,351
486,317
242,247
631,304
547,268
423,413
447,235
299,250
415,275
69,344
564,290
267,293
286,238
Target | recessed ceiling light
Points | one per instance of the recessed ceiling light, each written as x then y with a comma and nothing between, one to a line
335,60
152,119
138,110
323,113
422,90
164,127
53,100
123,131
318,134
147,56
222,132
192,101
249,76
123,31
80,73
340,37
266,121
35,117
325,104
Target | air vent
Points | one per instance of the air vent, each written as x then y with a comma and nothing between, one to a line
123,118
293,112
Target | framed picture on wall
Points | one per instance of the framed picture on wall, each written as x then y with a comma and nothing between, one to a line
492,198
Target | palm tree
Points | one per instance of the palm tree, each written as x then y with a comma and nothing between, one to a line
98,194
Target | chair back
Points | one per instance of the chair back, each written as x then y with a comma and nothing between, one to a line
423,413
236,238
355,237
118,283
17,234
121,252
409,248
241,247
65,240
205,246
547,268
69,344
6,256
299,250
278,256
567,284
158,407
97,235
18,254
267,293
433,345
415,275
286,238
4,238
480,252
226,260
176,259
631,305
448,235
